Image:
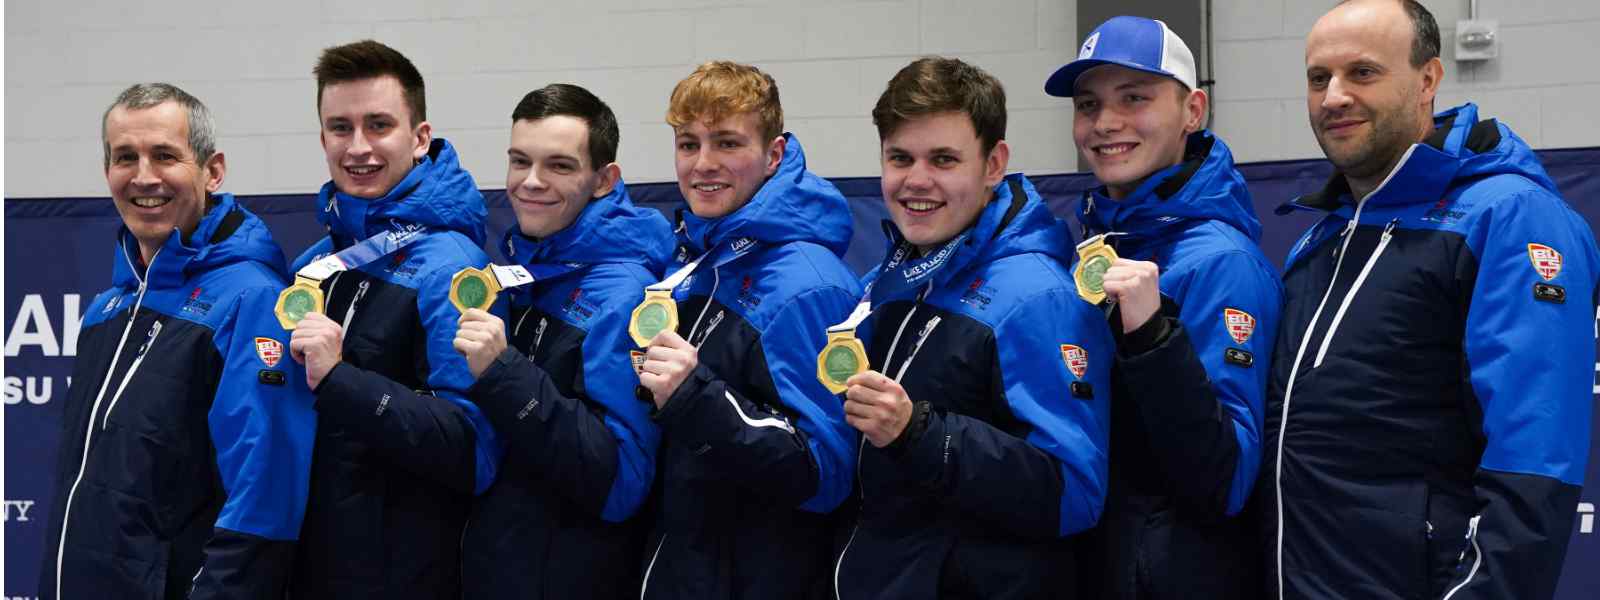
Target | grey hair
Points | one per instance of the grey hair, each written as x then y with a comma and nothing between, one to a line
202,130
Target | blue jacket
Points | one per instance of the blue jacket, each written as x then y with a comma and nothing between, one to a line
755,451
1189,386
1429,407
187,434
582,449
1006,452
400,450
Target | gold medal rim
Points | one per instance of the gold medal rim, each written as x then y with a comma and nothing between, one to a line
652,298
489,283
283,296
848,341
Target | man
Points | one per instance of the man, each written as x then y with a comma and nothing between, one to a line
186,441
985,414
557,521
755,451
400,450
1429,406
1196,307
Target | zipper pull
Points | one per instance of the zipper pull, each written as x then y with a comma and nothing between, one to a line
150,336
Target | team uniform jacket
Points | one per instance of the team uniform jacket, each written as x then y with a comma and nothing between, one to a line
1006,453
400,450
1428,415
1189,386
187,435
557,523
755,451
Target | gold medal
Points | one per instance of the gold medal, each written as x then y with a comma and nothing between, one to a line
473,288
655,314
297,300
1094,258
842,357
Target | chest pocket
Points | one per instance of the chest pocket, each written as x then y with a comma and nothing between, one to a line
553,345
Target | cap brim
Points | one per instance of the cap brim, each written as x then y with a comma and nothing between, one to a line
1064,81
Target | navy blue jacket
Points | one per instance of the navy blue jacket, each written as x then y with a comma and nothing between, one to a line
1429,407
187,433
1006,454
582,449
1189,386
400,450
755,451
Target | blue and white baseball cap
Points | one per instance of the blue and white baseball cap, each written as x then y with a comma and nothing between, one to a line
1134,42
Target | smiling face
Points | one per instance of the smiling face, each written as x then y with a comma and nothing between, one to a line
722,164
155,178
1128,124
936,178
549,180
1365,100
368,137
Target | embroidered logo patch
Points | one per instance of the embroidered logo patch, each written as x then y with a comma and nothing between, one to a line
1240,324
1545,260
1077,359
269,350
1087,50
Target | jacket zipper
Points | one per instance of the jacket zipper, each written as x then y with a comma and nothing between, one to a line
862,444
716,280
1294,370
350,311
1327,338
138,359
83,463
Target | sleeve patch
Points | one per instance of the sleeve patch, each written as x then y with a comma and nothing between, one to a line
1240,324
269,350
1077,359
1546,261
1546,292
1235,356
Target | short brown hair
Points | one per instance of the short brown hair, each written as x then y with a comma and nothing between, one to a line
721,88
936,84
368,59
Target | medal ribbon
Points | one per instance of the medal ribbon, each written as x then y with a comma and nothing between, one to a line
734,249
369,250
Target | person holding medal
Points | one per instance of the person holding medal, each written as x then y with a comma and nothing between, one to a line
401,450
1194,307
984,412
186,434
581,448
755,451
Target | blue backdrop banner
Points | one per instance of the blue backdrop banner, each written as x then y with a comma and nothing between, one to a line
59,254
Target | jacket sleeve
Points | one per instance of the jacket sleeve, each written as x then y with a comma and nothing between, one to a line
598,448
263,427
807,461
1199,391
1052,482
439,435
1531,364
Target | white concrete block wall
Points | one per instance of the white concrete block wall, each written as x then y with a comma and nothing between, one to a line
251,60
1540,85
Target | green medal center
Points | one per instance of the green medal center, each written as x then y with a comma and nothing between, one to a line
1094,273
840,364
472,292
298,304
652,319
